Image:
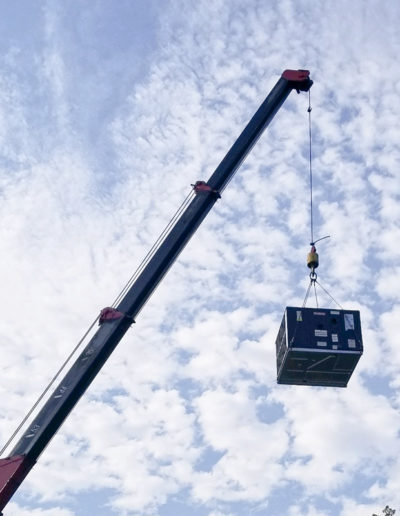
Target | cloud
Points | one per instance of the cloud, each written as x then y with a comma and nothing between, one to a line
101,141
359,509
14,510
349,421
248,468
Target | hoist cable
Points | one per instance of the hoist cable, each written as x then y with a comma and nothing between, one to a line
310,166
130,282
313,242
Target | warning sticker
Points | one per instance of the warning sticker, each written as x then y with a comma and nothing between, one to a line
298,315
335,312
321,333
335,337
351,343
348,322
321,343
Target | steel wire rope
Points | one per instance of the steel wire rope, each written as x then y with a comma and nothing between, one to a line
326,292
141,266
312,274
315,292
313,242
316,298
24,420
307,294
184,205
311,171
154,248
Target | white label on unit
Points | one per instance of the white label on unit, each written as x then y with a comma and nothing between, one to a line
335,312
298,315
321,333
335,337
351,343
319,313
321,343
334,346
348,322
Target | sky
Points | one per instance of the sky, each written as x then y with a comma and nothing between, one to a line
109,111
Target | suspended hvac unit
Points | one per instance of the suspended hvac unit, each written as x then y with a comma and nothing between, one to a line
317,346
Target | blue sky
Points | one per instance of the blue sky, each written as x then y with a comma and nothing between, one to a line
109,110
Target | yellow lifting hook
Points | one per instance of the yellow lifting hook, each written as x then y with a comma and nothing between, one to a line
312,258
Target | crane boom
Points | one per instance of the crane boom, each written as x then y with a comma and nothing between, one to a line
13,469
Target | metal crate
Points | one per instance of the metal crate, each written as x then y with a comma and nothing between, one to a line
318,346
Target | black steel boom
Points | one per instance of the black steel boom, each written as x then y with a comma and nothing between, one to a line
14,468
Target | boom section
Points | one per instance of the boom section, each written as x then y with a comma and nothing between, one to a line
91,360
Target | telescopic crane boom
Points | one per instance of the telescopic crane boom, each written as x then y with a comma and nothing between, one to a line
13,469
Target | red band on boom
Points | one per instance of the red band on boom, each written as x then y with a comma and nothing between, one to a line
13,470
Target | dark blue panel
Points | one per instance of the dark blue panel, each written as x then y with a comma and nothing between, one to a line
318,346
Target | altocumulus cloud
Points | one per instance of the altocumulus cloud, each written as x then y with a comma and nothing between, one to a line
103,130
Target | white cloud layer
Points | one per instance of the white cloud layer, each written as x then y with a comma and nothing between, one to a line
108,113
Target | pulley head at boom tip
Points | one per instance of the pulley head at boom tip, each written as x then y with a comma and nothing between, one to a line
298,79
